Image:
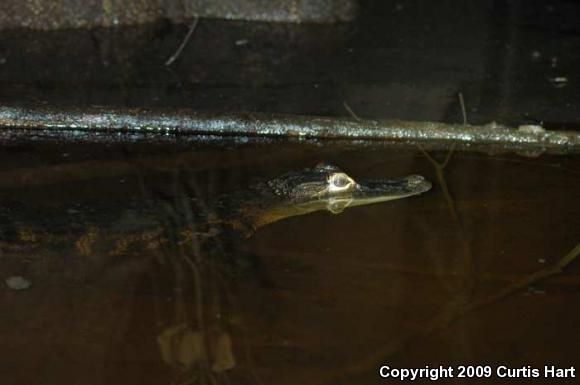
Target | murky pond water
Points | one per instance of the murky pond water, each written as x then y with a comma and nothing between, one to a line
119,264
115,272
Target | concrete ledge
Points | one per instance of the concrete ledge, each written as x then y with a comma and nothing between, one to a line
58,14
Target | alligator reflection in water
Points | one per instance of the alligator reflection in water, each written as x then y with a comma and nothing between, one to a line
191,244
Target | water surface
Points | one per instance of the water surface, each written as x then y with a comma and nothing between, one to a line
313,299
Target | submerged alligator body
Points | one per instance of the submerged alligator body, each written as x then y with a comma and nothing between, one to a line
151,226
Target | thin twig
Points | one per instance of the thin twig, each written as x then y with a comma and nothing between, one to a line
462,105
448,157
439,168
350,111
183,43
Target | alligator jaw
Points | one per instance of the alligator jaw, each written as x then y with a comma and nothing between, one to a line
387,190
375,192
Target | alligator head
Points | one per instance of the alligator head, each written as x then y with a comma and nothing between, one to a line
324,187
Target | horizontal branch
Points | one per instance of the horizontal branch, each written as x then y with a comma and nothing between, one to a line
141,124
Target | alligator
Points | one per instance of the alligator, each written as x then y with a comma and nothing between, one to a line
145,227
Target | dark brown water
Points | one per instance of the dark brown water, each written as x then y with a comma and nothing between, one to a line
315,299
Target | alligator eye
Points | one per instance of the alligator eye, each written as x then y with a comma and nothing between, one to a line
340,181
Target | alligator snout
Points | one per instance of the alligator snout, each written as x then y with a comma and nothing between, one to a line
419,183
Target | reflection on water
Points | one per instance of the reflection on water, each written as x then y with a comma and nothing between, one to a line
135,276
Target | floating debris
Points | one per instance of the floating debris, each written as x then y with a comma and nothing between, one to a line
181,346
535,130
559,81
535,291
18,282
223,354
532,129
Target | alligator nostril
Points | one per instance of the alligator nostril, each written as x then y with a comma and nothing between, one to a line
414,180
